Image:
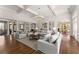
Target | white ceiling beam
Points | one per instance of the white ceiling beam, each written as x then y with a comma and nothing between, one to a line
31,11
50,8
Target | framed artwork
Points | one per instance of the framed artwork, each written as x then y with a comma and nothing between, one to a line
33,25
21,26
44,25
14,27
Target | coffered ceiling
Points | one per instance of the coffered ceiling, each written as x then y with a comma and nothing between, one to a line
45,12
60,12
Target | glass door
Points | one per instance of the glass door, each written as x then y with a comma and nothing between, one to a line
1,28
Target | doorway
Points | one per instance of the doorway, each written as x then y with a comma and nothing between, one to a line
3,28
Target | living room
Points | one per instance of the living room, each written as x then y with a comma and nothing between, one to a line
29,25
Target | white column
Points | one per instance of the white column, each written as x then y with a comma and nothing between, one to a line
12,28
7,27
78,27
71,25
17,25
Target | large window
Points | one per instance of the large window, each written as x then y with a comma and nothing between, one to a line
1,26
75,27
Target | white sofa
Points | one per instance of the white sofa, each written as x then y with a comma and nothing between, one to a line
21,36
46,47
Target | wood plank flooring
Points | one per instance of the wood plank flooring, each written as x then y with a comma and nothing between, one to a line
11,46
69,46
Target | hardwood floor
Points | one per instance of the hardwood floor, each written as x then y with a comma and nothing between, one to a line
69,46
11,46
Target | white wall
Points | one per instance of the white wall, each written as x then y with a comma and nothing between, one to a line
74,21
78,23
